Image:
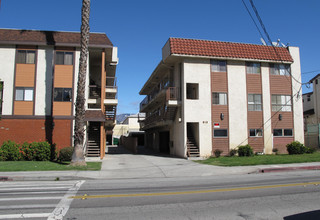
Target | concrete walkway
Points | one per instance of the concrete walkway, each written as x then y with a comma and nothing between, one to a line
121,164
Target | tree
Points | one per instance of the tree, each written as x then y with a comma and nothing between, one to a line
78,156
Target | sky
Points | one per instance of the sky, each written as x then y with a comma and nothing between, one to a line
140,28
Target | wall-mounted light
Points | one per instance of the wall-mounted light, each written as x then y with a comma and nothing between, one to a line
280,117
221,116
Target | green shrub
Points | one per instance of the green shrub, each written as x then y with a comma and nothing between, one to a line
310,150
217,152
296,147
275,150
10,151
245,151
65,154
40,151
233,152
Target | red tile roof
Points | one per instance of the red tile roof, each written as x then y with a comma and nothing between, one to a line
34,37
228,50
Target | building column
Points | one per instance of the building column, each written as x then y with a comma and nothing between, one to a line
103,93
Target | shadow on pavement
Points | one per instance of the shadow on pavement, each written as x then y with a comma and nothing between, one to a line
142,150
313,215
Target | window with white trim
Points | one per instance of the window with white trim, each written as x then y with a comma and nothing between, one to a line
281,103
253,68
279,132
279,69
24,94
62,94
220,132
254,102
218,66
255,132
219,98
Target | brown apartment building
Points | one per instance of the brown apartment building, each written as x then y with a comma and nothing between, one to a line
39,77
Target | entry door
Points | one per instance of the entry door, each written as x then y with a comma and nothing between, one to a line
164,142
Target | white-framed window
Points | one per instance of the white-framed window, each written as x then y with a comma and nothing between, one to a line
279,69
218,66
279,132
254,102
253,68
281,103
64,58
62,94
219,98
220,132
26,56
24,94
255,132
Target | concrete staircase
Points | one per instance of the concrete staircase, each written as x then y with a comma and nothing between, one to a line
93,144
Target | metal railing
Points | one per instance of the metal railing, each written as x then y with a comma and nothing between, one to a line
94,92
172,93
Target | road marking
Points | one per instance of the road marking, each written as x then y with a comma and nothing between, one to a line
32,188
28,206
40,192
28,215
31,198
194,192
62,208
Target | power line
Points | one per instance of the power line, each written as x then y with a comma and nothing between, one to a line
253,20
313,71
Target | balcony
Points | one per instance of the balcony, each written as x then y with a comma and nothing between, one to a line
163,116
111,92
170,95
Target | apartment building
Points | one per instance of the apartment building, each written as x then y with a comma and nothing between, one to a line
311,113
39,72
208,95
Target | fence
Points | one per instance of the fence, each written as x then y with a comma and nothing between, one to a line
311,136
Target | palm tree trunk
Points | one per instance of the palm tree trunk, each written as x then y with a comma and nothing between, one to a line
78,154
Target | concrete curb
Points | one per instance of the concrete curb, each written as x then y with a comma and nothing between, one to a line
284,169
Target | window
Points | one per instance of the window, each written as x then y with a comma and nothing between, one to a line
218,66
254,102
277,132
253,68
287,132
62,94
26,56
220,133
24,94
255,132
219,98
280,69
282,132
192,91
64,58
281,103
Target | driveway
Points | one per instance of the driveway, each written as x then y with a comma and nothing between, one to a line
120,163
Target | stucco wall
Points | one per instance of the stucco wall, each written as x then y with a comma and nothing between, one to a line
237,101
7,58
44,81
297,107
198,111
266,105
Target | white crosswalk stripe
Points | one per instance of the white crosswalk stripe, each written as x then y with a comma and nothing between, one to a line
36,200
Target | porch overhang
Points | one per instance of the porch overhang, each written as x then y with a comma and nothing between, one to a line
94,115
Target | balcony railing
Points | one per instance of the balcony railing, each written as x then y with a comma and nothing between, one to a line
111,82
172,93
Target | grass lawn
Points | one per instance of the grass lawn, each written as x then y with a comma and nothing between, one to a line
261,160
43,166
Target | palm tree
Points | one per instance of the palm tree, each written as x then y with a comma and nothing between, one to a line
78,156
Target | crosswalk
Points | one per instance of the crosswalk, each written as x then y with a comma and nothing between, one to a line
36,200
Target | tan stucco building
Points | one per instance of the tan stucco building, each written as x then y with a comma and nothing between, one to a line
208,95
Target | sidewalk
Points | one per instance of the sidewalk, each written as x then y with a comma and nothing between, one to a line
121,164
